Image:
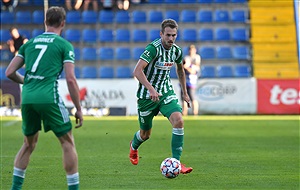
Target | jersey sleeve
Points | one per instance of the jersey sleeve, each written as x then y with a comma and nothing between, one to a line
149,53
69,55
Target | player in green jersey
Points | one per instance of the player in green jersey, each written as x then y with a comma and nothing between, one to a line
155,91
45,56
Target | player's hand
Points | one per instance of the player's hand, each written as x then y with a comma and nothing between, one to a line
79,119
154,96
187,99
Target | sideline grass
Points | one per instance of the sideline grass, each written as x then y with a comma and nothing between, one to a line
226,152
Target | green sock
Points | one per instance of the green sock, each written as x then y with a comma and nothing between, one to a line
18,178
73,187
177,142
137,140
73,181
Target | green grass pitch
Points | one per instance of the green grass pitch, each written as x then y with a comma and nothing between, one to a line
226,152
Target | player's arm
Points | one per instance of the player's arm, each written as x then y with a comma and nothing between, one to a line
182,81
11,71
141,77
74,91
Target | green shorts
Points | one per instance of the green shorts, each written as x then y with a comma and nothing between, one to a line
55,117
147,109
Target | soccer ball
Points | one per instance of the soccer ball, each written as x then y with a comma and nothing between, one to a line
170,167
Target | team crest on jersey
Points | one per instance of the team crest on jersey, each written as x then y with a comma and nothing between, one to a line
164,65
71,54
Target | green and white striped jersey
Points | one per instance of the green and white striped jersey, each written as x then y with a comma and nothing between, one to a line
44,57
159,65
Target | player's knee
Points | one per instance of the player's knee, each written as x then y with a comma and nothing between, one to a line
29,146
178,123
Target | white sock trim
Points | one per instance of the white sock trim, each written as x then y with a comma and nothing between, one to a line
73,179
178,131
138,136
19,172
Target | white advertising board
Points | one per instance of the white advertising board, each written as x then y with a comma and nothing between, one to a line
104,93
227,96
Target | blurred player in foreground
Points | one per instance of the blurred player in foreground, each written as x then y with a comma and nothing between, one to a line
155,92
46,56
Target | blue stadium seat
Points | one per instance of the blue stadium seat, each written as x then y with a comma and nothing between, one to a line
4,35
238,1
56,2
222,34
123,72
25,33
2,73
37,3
240,34
221,15
89,17
7,17
208,71
24,3
123,35
241,52
106,53
23,17
207,52
173,74
139,35
106,16
188,16
36,32
156,1
224,71
122,17
73,35
89,54
77,52
155,16
106,72
73,17
221,1
185,50
172,1
239,15
137,52
242,70
38,17
206,34
153,34
173,14
5,55
89,35
139,16
189,35
106,35
205,16
123,53
205,1
224,52
22,71
77,72
188,1
90,72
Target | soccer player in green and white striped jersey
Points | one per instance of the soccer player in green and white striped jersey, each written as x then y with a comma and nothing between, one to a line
46,56
155,91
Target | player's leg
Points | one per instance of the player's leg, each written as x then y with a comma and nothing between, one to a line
172,111
146,111
195,105
70,160
184,106
22,160
56,118
31,124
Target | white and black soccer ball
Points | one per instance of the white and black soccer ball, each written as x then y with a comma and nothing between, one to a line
170,167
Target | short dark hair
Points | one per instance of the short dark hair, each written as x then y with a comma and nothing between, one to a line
55,15
168,23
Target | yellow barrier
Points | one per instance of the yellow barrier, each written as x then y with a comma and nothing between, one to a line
278,33
272,16
271,3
